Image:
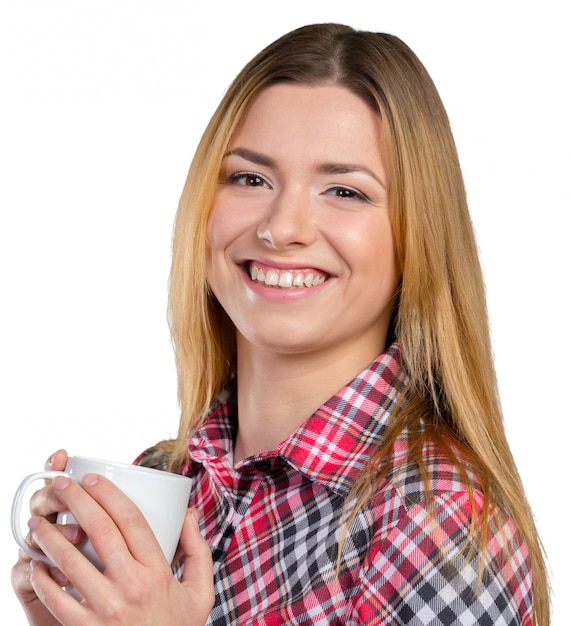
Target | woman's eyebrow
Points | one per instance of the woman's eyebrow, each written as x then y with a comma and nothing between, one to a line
348,168
323,168
253,157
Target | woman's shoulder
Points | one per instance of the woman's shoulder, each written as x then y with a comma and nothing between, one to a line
431,469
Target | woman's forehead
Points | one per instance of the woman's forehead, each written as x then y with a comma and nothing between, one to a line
327,122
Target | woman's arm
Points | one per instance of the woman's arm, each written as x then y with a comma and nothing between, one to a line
428,569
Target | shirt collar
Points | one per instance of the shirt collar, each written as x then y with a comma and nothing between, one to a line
334,445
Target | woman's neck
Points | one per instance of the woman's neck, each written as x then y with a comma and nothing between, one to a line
278,392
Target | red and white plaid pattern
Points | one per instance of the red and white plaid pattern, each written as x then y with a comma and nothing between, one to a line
274,521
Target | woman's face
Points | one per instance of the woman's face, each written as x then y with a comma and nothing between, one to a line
300,249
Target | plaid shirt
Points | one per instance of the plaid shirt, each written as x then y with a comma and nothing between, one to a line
274,521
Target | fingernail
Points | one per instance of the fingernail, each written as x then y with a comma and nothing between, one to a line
33,523
61,482
70,532
59,577
90,479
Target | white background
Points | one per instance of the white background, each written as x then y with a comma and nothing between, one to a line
101,106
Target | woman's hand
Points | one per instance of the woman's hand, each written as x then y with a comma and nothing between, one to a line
44,503
137,586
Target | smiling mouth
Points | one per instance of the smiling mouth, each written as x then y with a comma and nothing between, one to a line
287,279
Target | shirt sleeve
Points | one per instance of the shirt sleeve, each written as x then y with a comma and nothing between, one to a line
425,569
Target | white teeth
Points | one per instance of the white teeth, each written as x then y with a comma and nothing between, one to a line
272,278
285,278
298,280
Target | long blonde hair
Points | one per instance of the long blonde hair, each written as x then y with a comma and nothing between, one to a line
440,319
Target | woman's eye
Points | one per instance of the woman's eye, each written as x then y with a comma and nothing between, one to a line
247,179
347,193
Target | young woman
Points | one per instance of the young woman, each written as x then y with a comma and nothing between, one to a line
340,415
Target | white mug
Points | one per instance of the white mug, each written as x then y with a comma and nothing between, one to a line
162,497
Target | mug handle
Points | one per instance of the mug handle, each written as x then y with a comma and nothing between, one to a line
17,508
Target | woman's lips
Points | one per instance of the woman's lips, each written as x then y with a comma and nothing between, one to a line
294,278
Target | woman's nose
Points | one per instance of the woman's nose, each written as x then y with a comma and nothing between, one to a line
289,222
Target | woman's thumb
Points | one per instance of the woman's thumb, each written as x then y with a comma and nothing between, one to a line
198,575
